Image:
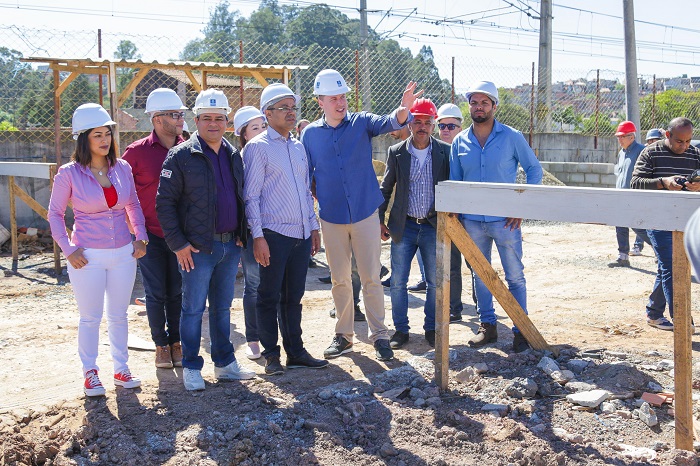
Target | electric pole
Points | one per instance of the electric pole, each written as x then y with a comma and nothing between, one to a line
544,70
365,87
631,82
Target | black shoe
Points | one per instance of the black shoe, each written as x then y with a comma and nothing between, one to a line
332,313
312,263
455,317
326,280
359,316
520,343
307,361
339,346
383,351
487,334
430,337
398,339
383,272
419,287
386,283
273,365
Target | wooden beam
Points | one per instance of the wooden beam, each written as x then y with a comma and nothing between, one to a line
138,77
488,275
442,308
682,345
259,77
28,169
31,202
13,221
614,207
193,80
57,117
114,103
64,84
56,249
204,80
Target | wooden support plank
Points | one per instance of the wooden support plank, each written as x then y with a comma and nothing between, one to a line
31,202
259,77
114,103
57,117
614,207
193,80
28,169
204,81
56,249
64,84
682,345
13,221
488,275
442,308
126,92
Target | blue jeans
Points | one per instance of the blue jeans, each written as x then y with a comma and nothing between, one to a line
415,237
282,283
213,276
510,249
662,242
251,280
163,285
623,239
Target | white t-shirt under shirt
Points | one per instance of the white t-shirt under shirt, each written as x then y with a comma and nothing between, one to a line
420,154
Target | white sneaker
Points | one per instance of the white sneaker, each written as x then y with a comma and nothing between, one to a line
635,251
661,323
233,371
192,379
253,350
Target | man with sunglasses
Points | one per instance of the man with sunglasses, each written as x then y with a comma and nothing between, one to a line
161,277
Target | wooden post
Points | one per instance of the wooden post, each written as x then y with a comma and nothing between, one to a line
57,117
56,250
682,345
442,308
114,104
488,275
13,221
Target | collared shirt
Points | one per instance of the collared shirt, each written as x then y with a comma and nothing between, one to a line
276,188
625,164
96,224
421,190
226,206
340,160
496,162
146,157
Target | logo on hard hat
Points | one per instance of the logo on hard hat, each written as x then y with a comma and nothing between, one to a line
212,102
339,84
318,83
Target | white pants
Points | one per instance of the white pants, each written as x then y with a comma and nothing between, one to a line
105,282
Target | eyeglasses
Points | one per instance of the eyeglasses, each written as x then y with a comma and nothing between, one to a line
285,109
173,115
450,126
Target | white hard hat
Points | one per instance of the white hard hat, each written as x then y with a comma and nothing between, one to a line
330,82
449,111
211,101
89,116
163,99
245,115
185,127
484,87
274,93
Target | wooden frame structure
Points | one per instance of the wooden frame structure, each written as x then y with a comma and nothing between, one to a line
671,211
45,171
78,66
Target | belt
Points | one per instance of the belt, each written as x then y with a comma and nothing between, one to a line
419,221
224,237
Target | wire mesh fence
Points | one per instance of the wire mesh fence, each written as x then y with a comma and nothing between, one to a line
588,102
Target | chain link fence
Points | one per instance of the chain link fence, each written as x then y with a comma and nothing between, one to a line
588,102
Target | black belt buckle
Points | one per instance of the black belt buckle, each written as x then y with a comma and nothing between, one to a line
223,237
419,221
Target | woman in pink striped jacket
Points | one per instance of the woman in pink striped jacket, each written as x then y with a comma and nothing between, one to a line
100,252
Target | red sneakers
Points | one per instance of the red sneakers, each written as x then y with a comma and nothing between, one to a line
93,386
125,379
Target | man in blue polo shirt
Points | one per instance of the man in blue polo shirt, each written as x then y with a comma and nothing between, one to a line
489,151
339,146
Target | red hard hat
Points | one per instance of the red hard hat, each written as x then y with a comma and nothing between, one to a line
625,127
424,107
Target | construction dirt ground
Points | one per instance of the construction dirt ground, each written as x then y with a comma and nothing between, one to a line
501,408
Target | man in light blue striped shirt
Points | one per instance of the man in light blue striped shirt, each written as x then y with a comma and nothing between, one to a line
284,227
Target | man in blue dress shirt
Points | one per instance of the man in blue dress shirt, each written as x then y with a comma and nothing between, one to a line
489,151
339,146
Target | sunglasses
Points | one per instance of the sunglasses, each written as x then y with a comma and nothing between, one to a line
450,126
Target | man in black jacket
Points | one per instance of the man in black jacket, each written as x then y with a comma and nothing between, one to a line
413,168
200,208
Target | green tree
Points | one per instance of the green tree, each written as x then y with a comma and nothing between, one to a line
605,127
321,25
126,50
15,78
669,105
36,108
566,116
220,41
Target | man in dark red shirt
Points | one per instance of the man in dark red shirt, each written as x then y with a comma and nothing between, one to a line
161,276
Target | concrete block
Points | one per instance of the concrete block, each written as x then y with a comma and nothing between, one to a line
593,178
577,178
602,168
582,168
608,180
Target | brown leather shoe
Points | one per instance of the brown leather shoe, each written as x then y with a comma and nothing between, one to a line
163,358
487,334
176,354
